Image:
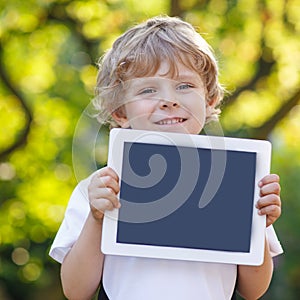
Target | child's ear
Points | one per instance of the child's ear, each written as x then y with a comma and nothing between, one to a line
212,102
119,116
210,105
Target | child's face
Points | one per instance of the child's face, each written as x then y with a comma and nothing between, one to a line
160,103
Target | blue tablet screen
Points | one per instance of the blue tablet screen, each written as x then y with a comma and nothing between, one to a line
161,190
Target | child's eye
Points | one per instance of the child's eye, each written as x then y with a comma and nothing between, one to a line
148,91
185,86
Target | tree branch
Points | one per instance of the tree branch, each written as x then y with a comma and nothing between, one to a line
22,136
264,69
175,9
264,66
265,129
58,14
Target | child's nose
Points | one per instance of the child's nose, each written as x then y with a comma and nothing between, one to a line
164,104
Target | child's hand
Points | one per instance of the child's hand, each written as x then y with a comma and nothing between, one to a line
269,203
102,191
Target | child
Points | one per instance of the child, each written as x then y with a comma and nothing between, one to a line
160,75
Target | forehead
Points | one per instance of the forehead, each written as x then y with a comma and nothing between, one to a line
176,70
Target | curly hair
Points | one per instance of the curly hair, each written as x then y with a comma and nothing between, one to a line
138,53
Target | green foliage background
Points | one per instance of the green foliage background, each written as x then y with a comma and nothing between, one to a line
48,55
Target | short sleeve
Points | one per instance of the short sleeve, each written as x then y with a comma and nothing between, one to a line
274,244
74,219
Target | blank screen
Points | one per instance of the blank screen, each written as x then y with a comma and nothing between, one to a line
224,224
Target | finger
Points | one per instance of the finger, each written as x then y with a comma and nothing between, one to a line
270,188
99,206
270,220
272,213
107,171
270,210
269,179
107,194
108,182
265,201
102,204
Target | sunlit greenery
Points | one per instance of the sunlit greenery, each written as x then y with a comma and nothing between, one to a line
48,55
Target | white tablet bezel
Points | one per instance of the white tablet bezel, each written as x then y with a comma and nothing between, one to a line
262,149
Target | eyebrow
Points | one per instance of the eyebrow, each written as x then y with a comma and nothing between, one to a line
188,77
140,81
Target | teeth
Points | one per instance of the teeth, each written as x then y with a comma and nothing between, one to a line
170,121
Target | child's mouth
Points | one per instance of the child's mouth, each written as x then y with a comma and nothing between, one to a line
171,121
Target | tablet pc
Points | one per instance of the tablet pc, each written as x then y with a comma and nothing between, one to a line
186,197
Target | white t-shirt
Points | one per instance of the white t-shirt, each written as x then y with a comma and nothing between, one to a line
145,278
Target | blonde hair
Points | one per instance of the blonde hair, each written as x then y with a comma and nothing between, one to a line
139,52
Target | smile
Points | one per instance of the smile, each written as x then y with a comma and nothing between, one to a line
170,121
